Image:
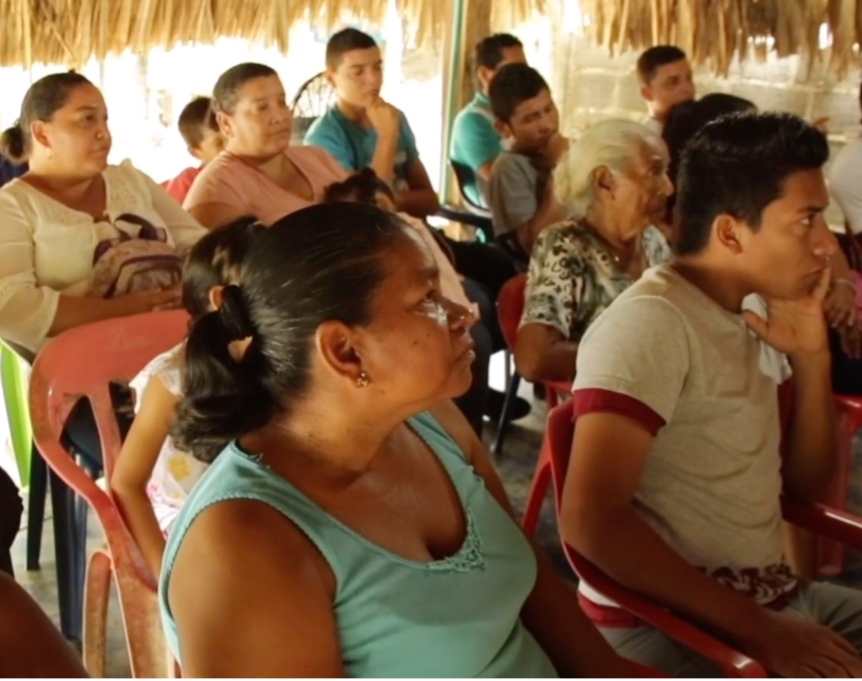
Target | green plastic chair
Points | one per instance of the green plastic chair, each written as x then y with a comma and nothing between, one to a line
13,370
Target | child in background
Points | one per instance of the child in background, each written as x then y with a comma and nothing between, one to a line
152,479
199,130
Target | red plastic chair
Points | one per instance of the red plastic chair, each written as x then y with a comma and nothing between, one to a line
80,363
510,309
819,519
831,554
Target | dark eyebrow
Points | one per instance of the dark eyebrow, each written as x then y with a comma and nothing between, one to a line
428,273
807,210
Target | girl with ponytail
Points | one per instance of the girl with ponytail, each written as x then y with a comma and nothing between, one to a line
153,478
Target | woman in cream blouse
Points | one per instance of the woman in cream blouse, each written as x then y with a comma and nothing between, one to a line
67,210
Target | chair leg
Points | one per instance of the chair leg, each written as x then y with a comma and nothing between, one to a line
148,650
96,594
505,419
36,508
538,492
65,544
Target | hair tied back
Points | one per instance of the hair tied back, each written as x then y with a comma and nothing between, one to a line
234,315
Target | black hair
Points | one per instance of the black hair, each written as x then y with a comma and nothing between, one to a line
228,85
684,121
361,187
41,102
512,85
215,260
317,264
654,58
489,51
346,40
195,119
737,165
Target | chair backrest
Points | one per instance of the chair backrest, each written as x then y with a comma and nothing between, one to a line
510,307
81,363
311,101
464,176
559,435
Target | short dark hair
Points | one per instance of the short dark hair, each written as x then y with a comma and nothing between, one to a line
215,260
346,40
44,98
317,264
229,83
361,187
195,119
686,119
511,85
654,58
489,51
737,165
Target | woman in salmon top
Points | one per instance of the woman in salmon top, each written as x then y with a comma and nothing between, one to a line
258,173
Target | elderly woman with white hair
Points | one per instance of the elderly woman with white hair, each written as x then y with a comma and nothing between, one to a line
613,182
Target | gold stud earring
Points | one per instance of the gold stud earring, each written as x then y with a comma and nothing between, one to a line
363,380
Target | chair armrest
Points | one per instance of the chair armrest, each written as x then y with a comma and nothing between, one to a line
824,521
466,217
730,661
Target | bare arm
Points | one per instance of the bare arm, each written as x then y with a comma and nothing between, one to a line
551,613
812,453
597,503
542,353
383,160
30,645
252,597
135,465
420,200
74,311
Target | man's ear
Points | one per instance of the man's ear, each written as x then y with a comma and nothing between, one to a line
728,231
646,93
504,129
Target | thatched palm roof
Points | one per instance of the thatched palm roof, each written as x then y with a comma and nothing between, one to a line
713,31
717,31
71,31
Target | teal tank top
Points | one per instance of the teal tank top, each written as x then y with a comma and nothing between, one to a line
455,617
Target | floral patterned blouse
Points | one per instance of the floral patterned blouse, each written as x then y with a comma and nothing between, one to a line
574,277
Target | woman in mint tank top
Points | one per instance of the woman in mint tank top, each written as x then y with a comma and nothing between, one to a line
351,523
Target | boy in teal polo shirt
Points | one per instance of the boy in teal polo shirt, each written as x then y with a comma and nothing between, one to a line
362,130
476,143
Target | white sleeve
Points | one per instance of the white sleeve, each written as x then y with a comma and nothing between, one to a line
27,310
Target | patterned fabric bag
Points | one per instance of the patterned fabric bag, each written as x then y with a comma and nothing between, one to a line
127,263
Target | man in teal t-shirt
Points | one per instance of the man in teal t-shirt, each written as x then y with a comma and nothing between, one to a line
475,141
362,130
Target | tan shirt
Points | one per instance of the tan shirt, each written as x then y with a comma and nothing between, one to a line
711,484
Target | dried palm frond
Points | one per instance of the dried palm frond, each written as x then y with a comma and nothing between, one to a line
721,31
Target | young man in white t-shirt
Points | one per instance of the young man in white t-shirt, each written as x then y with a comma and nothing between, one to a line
676,473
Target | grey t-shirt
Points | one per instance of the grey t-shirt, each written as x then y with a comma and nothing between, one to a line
516,185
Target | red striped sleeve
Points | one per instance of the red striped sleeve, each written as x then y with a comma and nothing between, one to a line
598,400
